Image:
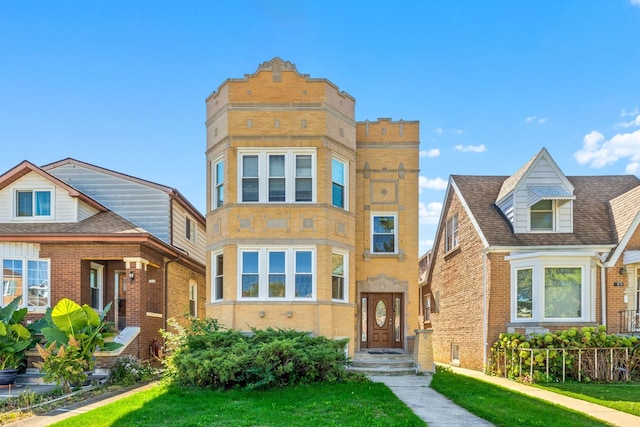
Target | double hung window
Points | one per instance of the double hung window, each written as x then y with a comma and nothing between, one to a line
451,230
384,233
339,191
28,278
542,215
277,176
339,290
217,180
218,274
277,273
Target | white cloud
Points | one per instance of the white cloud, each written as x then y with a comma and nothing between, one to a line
633,112
599,152
536,119
633,123
633,168
471,148
431,184
442,131
434,152
635,2
438,131
429,213
425,245
458,131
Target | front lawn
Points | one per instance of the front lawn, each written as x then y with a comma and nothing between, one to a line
504,407
624,397
338,404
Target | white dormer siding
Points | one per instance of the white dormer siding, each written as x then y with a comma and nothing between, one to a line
540,180
64,208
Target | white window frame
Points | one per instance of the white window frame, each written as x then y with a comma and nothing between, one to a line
263,173
554,217
33,190
345,179
193,297
538,263
290,272
451,233
100,284
44,287
217,183
215,274
395,232
345,275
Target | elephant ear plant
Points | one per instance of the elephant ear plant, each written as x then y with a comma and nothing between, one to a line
73,334
15,339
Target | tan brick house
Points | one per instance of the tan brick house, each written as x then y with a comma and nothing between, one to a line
312,217
532,252
75,230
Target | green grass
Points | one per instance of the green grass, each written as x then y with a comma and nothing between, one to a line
624,397
503,407
341,404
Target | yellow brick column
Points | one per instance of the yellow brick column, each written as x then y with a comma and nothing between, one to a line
423,351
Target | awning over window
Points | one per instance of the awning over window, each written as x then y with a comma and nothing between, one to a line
630,257
537,193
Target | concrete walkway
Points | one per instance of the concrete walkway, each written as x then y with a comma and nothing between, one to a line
435,409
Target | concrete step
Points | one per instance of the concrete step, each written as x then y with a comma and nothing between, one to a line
380,362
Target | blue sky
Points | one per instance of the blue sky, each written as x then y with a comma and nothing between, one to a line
122,84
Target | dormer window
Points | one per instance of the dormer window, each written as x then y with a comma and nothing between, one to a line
542,215
32,203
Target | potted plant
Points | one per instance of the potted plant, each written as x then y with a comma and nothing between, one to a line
15,339
73,334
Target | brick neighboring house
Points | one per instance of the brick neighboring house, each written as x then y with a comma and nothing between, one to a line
312,219
532,252
74,230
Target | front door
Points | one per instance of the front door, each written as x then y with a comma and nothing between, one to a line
381,320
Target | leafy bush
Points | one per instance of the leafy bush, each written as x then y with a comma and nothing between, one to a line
515,355
63,364
207,356
129,370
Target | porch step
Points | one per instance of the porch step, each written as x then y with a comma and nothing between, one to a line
383,363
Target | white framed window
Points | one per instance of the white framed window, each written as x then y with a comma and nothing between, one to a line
193,298
33,203
217,183
277,176
217,274
451,234
96,279
339,187
339,270
455,354
384,233
191,229
32,282
276,273
542,216
552,289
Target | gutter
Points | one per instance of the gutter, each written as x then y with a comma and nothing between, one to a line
603,291
485,313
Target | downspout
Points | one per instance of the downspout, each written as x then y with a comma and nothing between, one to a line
603,291
485,313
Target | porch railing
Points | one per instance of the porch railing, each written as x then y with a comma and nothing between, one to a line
630,322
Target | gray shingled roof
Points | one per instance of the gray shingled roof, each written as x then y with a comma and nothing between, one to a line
593,219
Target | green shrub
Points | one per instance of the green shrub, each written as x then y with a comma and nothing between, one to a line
207,356
129,370
515,355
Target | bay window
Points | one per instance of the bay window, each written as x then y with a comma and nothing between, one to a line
276,176
277,273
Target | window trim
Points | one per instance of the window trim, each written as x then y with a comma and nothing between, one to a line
290,177
193,297
215,274
190,229
452,234
372,235
33,189
538,263
554,219
217,183
25,282
290,272
345,275
99,268
345,186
